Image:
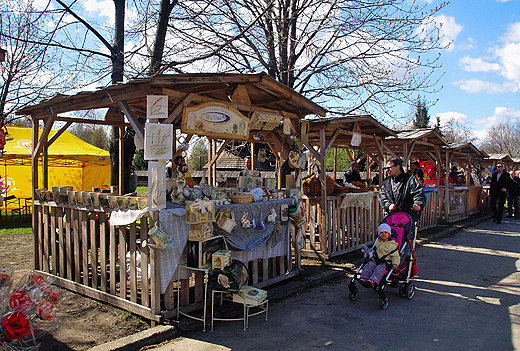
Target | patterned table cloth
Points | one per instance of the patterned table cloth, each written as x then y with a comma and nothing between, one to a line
246,244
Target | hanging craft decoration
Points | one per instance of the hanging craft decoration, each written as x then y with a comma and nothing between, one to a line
157,106
158,141
156,185
356,135
262,155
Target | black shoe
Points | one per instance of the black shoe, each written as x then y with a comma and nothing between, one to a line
498,222
494,219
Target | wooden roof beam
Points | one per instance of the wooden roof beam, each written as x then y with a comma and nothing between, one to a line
178,109
43,137
59,132
132,118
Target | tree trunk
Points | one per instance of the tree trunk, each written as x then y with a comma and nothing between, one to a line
117,76
162,26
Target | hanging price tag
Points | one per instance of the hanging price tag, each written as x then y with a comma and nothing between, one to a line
286,126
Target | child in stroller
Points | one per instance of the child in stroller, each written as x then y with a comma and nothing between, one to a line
403,234
384,254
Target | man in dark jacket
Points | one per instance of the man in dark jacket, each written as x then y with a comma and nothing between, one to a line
352,173
401,191
500,182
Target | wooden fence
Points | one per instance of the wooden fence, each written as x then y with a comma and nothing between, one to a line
349,228
78,247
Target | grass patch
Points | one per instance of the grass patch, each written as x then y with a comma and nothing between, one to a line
9,226
142,190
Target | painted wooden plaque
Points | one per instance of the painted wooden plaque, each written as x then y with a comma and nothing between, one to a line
215,120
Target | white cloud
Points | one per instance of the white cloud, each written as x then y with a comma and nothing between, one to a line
510,57
476,86
509,54
501,114
100,8
449,29
478,65
447,116
468,44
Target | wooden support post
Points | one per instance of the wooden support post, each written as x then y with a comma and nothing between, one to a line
210,157
323,178
34,174
335,162
121,160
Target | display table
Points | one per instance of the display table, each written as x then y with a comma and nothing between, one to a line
262,306
253,244
205,282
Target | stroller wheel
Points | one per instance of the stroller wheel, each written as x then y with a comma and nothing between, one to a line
402,289
353,295
410,292
383,303
384,286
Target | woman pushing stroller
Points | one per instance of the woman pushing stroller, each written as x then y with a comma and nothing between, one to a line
385,253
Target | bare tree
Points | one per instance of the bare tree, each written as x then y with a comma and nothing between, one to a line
29,72
503,138
347,54
456,132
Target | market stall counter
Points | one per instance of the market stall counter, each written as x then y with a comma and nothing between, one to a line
259,239
456,206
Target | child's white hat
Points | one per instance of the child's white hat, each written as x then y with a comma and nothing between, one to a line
384,227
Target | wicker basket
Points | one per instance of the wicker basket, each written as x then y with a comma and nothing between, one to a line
341,189
244,198
313,187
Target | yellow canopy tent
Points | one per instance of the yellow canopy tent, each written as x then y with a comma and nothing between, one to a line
72,162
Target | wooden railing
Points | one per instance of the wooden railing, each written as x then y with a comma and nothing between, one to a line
349,228
430,212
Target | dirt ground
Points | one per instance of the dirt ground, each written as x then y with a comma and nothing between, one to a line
83,322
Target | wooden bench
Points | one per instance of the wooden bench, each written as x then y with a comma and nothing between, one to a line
11,205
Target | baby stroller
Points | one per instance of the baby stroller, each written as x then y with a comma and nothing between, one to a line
404,232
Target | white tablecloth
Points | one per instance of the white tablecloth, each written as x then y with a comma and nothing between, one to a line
364,200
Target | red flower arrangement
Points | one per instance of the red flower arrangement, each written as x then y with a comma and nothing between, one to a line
19,301
30,306
15,326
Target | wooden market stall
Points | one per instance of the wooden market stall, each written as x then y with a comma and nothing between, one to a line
461,200
78,246
346,221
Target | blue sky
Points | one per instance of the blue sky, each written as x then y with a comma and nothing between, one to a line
481,82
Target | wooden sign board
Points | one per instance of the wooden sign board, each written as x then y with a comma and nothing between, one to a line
215,120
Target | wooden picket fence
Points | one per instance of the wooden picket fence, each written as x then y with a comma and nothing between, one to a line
78,247
349,228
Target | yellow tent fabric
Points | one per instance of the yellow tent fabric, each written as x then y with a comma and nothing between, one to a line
72,162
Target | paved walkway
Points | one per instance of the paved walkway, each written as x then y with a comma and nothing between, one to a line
467,298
